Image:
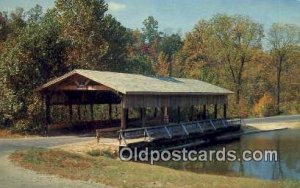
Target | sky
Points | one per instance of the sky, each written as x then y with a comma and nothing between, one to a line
181,15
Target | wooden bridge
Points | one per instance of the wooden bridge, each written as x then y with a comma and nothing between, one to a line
183,130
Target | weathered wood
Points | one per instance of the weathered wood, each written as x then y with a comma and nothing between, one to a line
215,111
192,113
140,101
166,116
178,114
204,112
155,112
123,119
143,116
225,110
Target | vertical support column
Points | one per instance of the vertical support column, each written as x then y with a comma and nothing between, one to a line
225,111
204,112
123,118
155,112
143,116
126,115
166,116
192,113
178,114
216,111
70,113
92,111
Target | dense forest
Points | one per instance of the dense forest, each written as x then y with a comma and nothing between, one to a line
232,51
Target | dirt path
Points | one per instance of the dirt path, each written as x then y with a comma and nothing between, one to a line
16,177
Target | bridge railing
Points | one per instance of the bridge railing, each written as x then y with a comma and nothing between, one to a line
183,129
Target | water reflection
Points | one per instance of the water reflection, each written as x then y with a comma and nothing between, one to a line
287,143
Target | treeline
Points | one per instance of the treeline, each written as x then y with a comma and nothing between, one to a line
235,52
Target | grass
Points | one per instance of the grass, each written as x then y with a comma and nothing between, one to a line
116,173
4,133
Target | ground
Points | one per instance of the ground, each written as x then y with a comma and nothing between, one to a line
16,177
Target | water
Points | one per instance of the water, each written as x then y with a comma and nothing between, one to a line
287,144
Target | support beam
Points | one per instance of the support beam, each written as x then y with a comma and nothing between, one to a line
141,113
166,116
204,112
123,119
216,111
126,115
178,114
143,116
192,113
225,111
92,111
155,112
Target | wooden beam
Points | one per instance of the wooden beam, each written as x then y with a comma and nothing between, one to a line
75,87
123,118
192,113
216,111
178,114
143,116
204,112
225,111
166,116
155,112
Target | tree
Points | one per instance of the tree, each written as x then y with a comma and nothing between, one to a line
150,30
283,40
228,41
30,59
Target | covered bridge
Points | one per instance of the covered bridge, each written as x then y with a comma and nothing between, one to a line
87,87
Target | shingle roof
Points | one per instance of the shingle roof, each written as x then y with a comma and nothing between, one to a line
139,84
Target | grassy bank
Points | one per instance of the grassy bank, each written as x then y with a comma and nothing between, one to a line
4,133
110,171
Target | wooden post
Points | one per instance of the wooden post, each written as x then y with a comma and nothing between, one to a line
192,113
70,113
166,116
126,115
225,111
141,113
143,116
155,112
79,112
178,114
216,111
92,111
204,111
123,118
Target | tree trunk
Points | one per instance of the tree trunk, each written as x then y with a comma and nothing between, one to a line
278,80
